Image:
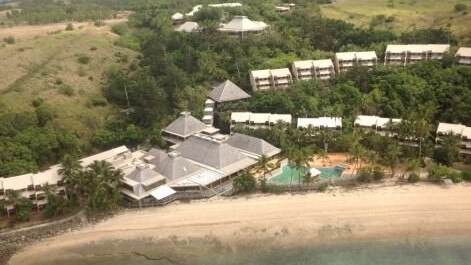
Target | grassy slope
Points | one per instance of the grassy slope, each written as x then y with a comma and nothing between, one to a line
30,68
407,13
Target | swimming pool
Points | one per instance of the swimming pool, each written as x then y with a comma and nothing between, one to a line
290,175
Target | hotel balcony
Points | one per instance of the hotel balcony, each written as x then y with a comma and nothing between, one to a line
464,60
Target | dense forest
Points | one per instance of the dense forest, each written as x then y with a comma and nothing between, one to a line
177,69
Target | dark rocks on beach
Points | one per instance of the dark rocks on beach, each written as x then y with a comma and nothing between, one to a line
13,240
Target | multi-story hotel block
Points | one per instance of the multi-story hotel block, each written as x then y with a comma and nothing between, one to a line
321,123
258,120
459,130
382,126
463,56
277,79
411,53
313,69
346,60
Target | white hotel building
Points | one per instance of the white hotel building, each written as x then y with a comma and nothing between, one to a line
313,69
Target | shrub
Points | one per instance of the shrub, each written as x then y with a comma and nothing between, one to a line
460,7
69,26
466,175
9,40
23,210
129,42
97,102
378,173
390,19
413,178
83,59
437,173
455,177
120,29
364,175
323,187
66,90
59,81
245,182
93,48
37,102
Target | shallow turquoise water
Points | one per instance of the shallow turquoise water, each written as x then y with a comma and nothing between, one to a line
290,175
431,251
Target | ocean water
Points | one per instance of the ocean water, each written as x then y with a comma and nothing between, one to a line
423,251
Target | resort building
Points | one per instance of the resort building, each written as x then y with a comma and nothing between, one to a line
346,60
463,56
282,9
177,17
313,69
367,59
242,26
221,94
281,78
277,79
225,5
32,185
182,128
411,53
194,10
226,92
208,111
321,123
188,27
380,125
459,130
258,120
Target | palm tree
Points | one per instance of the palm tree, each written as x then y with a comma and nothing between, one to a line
391,158
14,198
102,189
72,173
322,154
357,154
264,166
413,165
451,144
421,124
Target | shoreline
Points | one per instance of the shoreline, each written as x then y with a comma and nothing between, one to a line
238,223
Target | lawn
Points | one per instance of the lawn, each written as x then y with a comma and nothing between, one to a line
47,67
407,14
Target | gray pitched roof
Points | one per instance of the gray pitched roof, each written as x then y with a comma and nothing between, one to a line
144,174
188,26
155,156
243,24
174,167
210,152
185,125
252,145
227,91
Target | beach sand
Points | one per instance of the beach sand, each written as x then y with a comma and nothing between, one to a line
237,223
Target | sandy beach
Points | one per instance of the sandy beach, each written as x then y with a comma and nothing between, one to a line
275,220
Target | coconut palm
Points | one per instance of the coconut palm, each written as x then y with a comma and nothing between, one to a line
421,124
322,154
102,189
72,173
264,166
451,144
391,158
13,199
413,165
302,158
